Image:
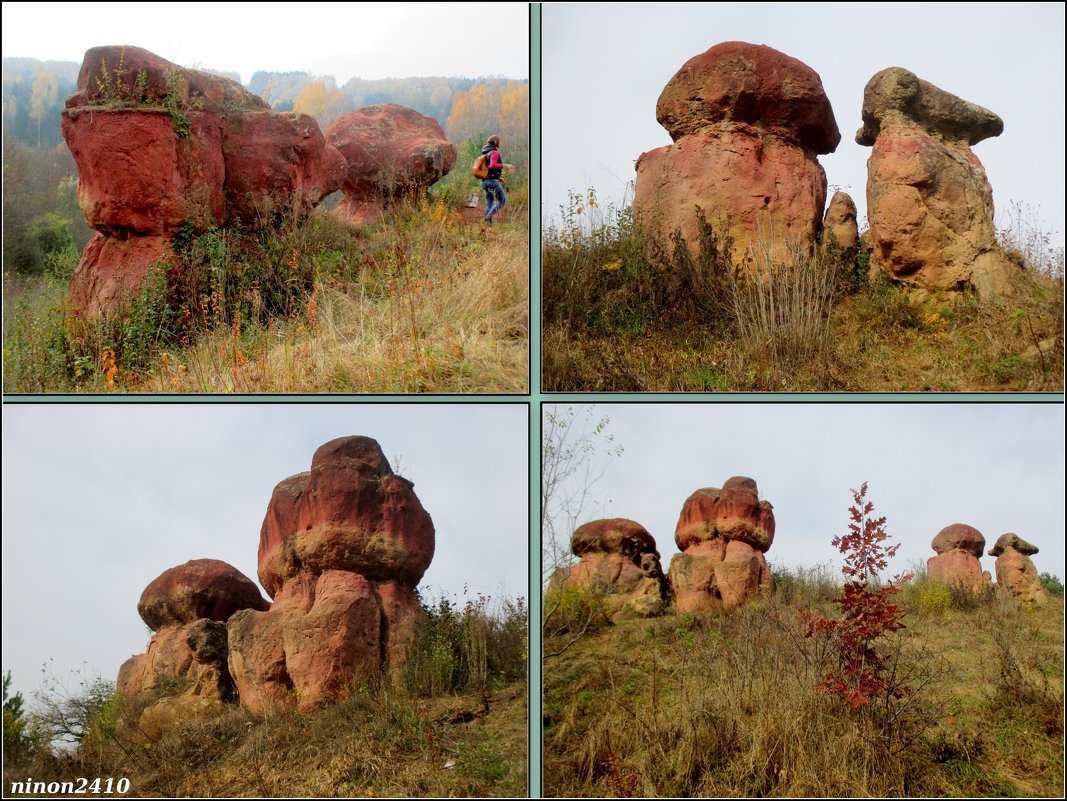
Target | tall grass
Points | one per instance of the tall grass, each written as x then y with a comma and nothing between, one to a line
422,302
731,706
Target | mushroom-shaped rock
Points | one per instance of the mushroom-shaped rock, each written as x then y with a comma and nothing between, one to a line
959,536
840,221
350,512
958,548
389,150
723,534
341,549
754,84
1016,573
160,148
748,122
929,203
619,559
201,588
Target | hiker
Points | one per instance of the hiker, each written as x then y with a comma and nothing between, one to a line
493,183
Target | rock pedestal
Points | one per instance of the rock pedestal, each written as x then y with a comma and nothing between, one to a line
929,203
723,534
748,123
619,562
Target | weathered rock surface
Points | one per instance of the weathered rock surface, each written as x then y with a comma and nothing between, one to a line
389,150
957,566
959,536
201,588
748,123
160,148
187,606
1016,573
840,220
929,203
723,534
341,550
350,512
619,561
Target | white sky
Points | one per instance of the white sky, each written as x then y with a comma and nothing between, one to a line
997,467
346,40
604,66
99,499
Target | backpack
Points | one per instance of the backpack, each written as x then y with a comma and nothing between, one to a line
480,167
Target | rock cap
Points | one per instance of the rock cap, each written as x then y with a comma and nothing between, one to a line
616,535
896,95
733,512
738,82
961,536
200,588
1013,541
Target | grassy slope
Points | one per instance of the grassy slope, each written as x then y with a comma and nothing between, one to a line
879,342
727,706
424,302
364,746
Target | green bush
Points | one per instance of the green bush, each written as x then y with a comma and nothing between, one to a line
1051,583
574,611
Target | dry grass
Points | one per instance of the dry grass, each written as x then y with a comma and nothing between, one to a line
727,706
366,745
424,302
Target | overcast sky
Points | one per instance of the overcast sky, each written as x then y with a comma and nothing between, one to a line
997,467
604,66
101,499
346,40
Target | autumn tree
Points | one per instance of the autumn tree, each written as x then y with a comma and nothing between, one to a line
42,98
322,100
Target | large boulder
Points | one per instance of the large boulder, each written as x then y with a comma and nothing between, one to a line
619,562
160,148
187,607
748,123
389,150
342,548
350,512
1016,573
723,534
929,203
201,588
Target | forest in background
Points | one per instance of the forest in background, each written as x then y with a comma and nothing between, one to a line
41,214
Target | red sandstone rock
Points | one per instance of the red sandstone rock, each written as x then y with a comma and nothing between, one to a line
201,588
338,642
112,271
389,150
620,563
723,534
734,512
277,162
752,188
959,535
747,122
350,512
136,176
160,148
617,535
1014,541
929,202
167,660
741,82
840,219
